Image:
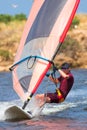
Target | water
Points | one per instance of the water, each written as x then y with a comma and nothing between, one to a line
70,115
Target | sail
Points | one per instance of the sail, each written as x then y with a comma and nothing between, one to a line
44,32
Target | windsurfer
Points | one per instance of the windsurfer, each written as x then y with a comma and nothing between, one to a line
66,81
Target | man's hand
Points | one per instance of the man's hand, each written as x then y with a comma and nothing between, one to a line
47,74
55,68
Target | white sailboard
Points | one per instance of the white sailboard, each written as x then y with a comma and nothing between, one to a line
16,113
44,33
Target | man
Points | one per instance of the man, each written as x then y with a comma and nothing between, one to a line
66,81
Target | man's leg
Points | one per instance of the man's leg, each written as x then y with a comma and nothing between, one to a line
42,99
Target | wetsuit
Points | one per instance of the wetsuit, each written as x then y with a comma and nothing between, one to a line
63,90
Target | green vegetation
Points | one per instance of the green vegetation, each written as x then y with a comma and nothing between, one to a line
75,22
19,17
6,18
5,55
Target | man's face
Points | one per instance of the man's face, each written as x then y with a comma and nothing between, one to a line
66,70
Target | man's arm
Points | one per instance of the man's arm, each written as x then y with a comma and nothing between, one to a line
63,74
55,80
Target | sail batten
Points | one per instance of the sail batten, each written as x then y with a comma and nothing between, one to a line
44,32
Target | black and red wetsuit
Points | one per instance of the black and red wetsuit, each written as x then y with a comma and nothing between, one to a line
63,90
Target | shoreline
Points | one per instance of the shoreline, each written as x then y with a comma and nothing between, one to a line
75,52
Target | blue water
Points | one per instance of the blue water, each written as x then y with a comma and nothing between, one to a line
70,115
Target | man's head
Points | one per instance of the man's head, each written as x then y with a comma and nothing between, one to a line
65,67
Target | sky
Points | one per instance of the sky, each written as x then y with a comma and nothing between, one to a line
13,7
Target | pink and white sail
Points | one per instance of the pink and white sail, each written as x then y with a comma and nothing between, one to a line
44,32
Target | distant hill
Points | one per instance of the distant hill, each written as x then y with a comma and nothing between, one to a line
76,52
74,49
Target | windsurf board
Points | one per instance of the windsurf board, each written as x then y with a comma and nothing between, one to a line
16,113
